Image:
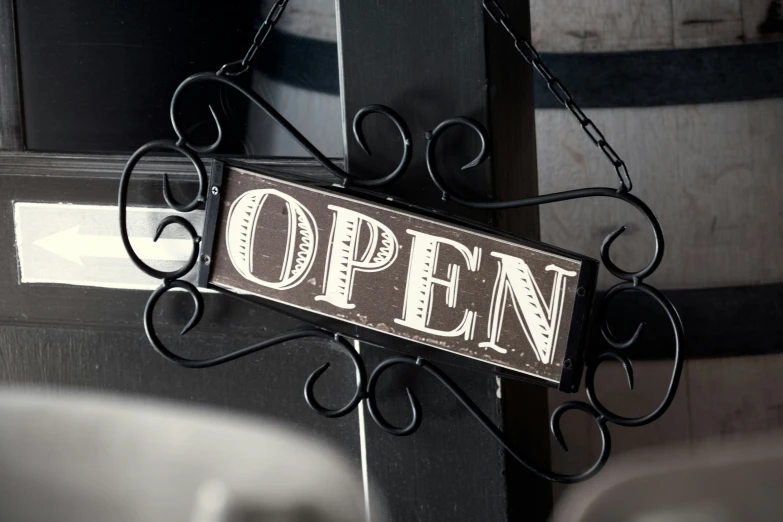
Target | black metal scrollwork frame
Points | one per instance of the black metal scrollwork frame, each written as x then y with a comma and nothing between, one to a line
367,388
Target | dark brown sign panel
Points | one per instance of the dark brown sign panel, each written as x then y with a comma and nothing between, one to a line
435,283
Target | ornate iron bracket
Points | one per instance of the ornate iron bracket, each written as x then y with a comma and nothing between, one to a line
366,389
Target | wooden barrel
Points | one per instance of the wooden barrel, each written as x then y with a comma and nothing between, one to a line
690,94
709,170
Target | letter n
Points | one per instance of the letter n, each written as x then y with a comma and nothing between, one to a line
540,320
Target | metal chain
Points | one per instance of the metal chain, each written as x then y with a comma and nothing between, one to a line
531,56
240,66
525,49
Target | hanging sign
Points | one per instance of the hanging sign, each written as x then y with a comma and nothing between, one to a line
483,296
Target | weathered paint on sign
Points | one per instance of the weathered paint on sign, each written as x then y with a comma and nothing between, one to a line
446,286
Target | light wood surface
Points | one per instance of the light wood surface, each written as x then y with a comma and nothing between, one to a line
606,25
624,25
707,23
710,172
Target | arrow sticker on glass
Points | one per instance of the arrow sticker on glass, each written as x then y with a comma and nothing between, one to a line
81,245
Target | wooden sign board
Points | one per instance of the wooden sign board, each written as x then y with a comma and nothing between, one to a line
482,296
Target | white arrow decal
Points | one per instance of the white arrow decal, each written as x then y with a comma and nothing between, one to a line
62,243
70,244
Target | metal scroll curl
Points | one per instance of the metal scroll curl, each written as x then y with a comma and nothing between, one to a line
338,341
632,281
598,413
622,193
311,149
170,281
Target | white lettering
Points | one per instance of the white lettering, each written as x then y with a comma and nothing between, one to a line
540,321
343,261
418,292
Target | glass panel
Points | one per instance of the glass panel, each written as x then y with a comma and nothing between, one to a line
98,76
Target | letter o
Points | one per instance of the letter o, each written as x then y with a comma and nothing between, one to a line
301,237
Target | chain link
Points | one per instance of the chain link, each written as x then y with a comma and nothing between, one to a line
556,87
240,66
523,47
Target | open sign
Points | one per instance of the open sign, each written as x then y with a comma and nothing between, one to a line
501,301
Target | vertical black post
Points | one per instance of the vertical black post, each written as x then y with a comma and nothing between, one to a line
525,410
431,61
10,107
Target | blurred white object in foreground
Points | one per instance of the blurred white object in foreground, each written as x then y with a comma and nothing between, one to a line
735,481
86,459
